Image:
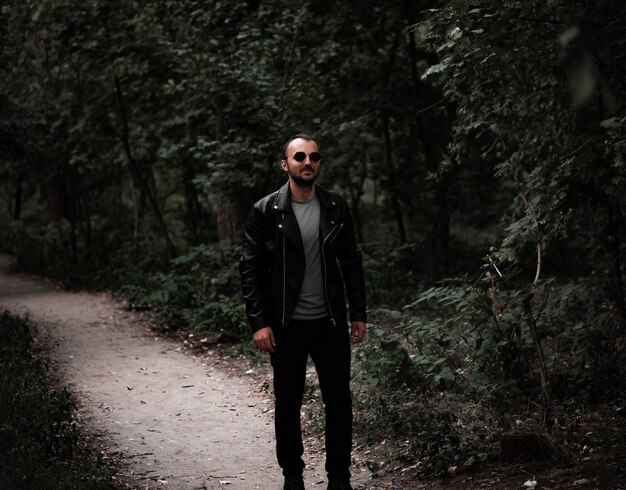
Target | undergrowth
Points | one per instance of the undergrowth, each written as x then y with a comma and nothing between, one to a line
443,377
198,292
40,442
445,370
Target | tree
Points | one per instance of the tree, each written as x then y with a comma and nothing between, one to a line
511,90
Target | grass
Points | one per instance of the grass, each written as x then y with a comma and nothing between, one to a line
40,442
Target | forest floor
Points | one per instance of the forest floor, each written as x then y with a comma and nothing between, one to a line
179,413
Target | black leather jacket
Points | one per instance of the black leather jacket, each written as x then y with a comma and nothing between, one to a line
273,263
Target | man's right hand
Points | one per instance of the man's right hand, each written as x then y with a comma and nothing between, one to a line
264,339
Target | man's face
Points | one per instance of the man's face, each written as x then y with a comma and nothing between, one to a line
302,173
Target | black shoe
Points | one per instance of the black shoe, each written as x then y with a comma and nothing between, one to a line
294,483
339,485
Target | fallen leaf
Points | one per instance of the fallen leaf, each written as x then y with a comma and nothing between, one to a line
530,484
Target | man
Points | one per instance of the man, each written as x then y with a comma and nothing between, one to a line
299,255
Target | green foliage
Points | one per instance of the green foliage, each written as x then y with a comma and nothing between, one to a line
43,249
198,292
586,351
38,248
413,396
539,105
485,346
40,444
460,349
514,109
224,313
386,363
378,260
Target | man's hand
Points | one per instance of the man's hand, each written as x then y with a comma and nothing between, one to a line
357,333
264,339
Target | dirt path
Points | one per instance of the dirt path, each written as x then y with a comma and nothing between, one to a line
180,422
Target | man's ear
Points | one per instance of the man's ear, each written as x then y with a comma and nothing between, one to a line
283,165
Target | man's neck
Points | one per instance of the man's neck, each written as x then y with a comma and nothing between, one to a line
301,194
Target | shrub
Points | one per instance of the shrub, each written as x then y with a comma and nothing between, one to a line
197,292
40,442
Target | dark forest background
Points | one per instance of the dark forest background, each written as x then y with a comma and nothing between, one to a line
480,145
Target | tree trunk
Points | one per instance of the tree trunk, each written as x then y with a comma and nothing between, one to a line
393,195
136,171
391,177
228,227
441,223
56,197
133,164
72,216
191,204
356,193
614,233
87,220
62,206
17,199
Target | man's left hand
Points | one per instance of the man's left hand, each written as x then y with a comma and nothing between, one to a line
357,332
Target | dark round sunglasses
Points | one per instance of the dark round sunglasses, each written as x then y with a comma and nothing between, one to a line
300,156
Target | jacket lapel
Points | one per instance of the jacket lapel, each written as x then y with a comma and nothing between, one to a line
328,212
287,222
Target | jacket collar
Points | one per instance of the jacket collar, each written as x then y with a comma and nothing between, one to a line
283,198
289,225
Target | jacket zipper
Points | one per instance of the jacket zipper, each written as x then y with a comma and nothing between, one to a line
337,234
330,309
284,283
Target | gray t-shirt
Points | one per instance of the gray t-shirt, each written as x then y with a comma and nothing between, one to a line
311,302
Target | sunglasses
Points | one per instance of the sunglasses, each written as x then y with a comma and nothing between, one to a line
300,156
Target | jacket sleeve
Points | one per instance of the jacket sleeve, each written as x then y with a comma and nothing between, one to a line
351,263
253,269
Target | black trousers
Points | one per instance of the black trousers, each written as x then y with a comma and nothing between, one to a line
329,347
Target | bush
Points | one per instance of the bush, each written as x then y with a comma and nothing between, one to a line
197,292
40,442
113,256
408,393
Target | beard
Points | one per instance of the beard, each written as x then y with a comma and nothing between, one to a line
301,180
